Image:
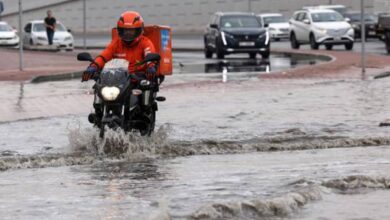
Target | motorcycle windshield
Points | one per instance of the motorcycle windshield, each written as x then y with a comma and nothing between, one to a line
114,77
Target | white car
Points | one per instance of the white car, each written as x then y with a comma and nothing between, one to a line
276,24
35,35
8,36
320,27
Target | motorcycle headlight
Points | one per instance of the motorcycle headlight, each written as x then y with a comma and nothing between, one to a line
110,93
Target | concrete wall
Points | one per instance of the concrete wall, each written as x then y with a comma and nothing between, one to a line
185,16
382,5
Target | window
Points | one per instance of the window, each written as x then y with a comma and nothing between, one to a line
27,28
5,28
274,19
327,17
300,16
239,21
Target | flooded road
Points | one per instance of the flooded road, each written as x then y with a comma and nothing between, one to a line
245,149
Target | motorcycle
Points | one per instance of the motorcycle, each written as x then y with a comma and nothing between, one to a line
123,100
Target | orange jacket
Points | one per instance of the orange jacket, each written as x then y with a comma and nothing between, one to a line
134,53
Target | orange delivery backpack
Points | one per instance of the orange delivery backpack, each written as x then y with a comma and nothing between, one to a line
161,37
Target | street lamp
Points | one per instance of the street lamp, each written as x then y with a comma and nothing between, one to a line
363,37
20,36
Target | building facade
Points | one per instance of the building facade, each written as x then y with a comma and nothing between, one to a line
184,16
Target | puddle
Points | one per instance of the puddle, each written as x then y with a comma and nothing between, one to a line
276,62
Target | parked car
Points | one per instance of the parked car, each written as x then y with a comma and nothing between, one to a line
236,32
370,21
320,27
8,36
277,25
382,19
35,34
338,8
384,23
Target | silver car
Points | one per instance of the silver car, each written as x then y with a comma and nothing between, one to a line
320,27
35,35
8,36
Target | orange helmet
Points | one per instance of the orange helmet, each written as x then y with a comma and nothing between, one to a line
130,26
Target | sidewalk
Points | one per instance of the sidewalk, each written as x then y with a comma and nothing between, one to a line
37,63
41,63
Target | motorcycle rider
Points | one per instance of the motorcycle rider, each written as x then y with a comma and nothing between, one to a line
131,45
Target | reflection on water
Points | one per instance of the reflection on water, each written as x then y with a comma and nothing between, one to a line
277,62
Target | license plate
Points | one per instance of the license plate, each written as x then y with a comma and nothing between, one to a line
337,38
371,32
245,43
3,41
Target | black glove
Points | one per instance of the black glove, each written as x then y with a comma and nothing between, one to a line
151,72
89,73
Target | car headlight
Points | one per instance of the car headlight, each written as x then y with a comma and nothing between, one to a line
110,93
321,30
266,36
351,32
272,29
355,26
68,38
42,38
225,36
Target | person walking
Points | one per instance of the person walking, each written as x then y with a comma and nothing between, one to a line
50,23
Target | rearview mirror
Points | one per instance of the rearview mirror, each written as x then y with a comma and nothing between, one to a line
213,25
85,57
306,21
69,30
266,25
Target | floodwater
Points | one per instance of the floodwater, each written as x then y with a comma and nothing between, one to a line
252,149
236,63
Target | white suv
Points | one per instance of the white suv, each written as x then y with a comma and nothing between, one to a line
320,26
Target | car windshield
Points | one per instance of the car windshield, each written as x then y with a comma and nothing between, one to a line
326,17
274,19
5,28
357,17
239,22
40,27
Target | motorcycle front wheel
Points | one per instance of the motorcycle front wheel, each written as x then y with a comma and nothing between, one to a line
150,128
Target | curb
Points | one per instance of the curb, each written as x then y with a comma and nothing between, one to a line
59,77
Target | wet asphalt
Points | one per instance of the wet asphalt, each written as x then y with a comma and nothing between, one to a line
244,149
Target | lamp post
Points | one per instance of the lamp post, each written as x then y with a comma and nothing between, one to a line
85,24
20,36
363,37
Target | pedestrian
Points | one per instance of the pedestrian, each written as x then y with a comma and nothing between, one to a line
50,23
1,8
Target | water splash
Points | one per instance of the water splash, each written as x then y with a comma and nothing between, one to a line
290,203
118,144
282,206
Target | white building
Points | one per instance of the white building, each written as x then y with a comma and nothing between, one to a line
183,16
